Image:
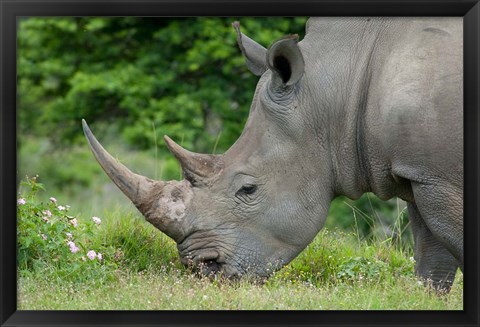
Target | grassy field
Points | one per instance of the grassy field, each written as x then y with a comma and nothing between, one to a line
156,290
140,270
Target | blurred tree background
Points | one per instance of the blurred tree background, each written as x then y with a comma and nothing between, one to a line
134,80
185,76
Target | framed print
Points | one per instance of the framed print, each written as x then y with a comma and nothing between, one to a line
217,163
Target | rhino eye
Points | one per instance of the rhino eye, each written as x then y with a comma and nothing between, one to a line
247,189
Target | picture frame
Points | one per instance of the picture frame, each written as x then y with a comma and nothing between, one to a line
10,10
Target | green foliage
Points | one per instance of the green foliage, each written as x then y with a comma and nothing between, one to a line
53,242
50,240
184,75
358,268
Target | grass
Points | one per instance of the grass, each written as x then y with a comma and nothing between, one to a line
151,290
335,272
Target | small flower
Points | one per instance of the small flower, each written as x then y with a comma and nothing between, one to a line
45,219
73,247
47,213
96,220
91,254
61,208
205,297
84,259
74,222
53,200
69,236
99,256
119,255
43,236
21,201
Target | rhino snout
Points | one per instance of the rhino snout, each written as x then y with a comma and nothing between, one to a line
209,268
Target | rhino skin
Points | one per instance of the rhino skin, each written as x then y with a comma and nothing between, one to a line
359,105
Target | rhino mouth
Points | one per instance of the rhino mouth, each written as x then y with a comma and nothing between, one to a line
209,268
216,268
207,255
211,264
205,263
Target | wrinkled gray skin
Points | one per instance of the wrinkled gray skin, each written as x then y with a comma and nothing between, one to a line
359,105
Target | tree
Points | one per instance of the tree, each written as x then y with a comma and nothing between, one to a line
184,77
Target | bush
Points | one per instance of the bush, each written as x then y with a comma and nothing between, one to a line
49,239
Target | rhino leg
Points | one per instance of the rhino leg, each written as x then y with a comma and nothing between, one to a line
441,207
434,263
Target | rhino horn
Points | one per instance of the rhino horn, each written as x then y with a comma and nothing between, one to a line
162,203
197,168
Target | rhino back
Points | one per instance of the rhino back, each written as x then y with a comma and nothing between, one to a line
392,86
416,104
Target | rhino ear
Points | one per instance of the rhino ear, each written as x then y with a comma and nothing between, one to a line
254,53
285,60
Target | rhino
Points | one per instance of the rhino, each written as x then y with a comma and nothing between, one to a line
358,105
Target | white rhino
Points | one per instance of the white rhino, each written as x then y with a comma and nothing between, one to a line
359,105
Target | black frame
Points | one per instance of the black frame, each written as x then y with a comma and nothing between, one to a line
10,10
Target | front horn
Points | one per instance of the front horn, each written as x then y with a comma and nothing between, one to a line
162,203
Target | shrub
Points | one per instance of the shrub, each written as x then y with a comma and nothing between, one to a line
49,239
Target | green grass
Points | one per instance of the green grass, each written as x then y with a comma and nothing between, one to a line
337,271
157,290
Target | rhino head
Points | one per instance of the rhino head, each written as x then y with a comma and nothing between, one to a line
252,209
